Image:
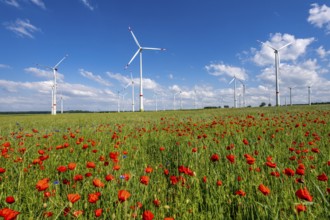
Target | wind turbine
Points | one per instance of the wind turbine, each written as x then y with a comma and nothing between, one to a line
309,95
132,84
243,84
277,66
291,95
54,92
234,80
139,51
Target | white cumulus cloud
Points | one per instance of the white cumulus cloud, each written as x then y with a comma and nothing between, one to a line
320,16
96,78
220,69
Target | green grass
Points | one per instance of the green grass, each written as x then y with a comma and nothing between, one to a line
269,131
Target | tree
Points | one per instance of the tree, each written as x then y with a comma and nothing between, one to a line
262,104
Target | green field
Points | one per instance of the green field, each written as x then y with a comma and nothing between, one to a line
253,163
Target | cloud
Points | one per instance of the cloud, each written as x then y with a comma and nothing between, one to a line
322,52
88,4
147,83
4,66
13,3
265,55
220,69
23,28
170,76
96,78
47,74
39,3
319,16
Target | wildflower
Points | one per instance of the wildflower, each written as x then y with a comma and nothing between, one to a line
149,170
90,165
10,199
73,197
322,177
231,158
214,157
144,180
61,169
219,183
270,164
264,189
147,215
72,166
240,193
93,197
245,141
156,202
123,195
109,177
301,208
304,194
288,172
78,177
98,212
98,183
42,184
8,214
2,170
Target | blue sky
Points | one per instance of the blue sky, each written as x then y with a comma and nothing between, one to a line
207,43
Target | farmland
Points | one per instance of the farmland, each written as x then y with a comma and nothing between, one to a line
254,163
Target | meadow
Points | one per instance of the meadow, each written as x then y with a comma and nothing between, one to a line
253,163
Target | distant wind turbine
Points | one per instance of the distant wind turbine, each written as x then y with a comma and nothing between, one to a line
234,80
54,87
291,95
139,51
244,87
277,66
131,83
309,95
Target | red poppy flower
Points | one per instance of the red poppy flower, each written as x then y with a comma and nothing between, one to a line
123,195
98,183
174,180
42,184
93,197
8,214
156,202
214,157
162,148
166,172
304,194
48,214
98,212
109,177
264,189
147,215
72,166
78,213
144,180
240,193
2,170
231,158
61,169
301,208
219,183
168,218
300,172
78,177
10,199
288,172
90,165
116,167
270,164
245,141
249,159
149,170
73,197
322,177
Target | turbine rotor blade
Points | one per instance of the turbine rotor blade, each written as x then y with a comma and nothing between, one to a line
231,81
136,41
60,62
152,48
285,46
132,58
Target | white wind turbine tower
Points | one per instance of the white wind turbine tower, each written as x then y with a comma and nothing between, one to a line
243,84
139,51
291,95
132,84
309,95
277,66
54,87
235,101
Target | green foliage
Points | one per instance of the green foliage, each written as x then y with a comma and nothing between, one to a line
166,141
